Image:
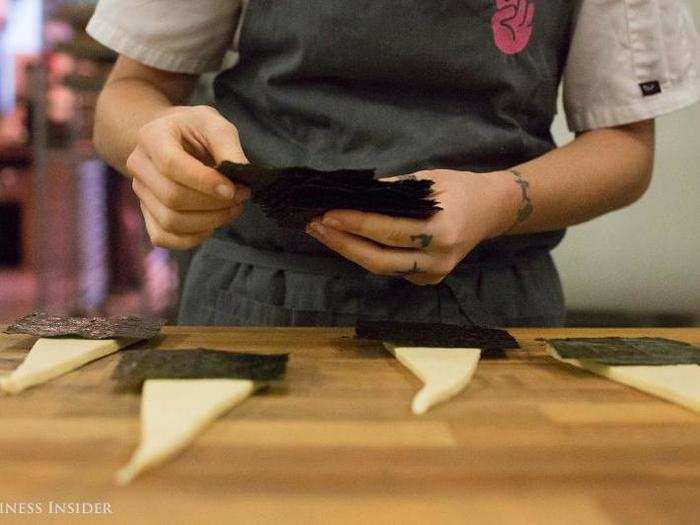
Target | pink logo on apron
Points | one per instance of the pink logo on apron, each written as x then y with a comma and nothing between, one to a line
512,25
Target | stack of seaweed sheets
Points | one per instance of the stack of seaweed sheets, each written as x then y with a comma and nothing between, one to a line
294,196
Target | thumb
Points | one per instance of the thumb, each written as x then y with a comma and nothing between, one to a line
224,144
223,140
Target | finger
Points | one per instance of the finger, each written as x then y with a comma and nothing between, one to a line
174,195
243,193
171,160
383,229
222,140
189,223
400,178
371,256
418,175
169,240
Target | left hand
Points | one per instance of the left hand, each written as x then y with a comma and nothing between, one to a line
475,207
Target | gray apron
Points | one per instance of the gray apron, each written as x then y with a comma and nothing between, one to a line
397,86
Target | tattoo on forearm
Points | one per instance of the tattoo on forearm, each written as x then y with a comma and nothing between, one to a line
412,271
526,208
423,239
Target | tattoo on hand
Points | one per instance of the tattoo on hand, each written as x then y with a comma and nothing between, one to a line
412,271
526,208
423,239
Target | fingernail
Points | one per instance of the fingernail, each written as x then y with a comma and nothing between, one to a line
315,228
225,191
333,223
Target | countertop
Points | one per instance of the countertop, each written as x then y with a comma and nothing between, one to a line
530,440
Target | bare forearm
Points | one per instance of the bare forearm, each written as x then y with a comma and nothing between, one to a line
128,102
123,109
600,171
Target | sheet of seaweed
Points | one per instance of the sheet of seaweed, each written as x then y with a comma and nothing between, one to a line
294,196
490,340
626,351
41,324
136,366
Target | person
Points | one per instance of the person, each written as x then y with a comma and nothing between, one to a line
460,92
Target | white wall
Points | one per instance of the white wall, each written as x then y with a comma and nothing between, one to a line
645,257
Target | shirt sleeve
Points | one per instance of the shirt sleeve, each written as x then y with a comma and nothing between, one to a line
630,61
173,35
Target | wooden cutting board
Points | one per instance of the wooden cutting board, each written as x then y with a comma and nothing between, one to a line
533,441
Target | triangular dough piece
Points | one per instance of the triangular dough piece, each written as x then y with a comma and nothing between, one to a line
174,411
50,358
677,383
445,372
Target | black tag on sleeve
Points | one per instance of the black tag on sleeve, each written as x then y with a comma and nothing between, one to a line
650,88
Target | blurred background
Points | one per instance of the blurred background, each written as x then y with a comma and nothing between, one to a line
72,239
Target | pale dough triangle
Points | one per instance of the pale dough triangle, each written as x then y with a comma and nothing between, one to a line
445,372
677,383
174,411
50,358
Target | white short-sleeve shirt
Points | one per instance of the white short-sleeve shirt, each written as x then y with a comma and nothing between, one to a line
629,60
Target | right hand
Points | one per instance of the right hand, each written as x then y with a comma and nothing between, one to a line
183,198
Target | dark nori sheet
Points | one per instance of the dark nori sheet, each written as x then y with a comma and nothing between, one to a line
435,335
621,351
136,366
44,325
294,196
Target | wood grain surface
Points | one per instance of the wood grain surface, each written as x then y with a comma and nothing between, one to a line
530,440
